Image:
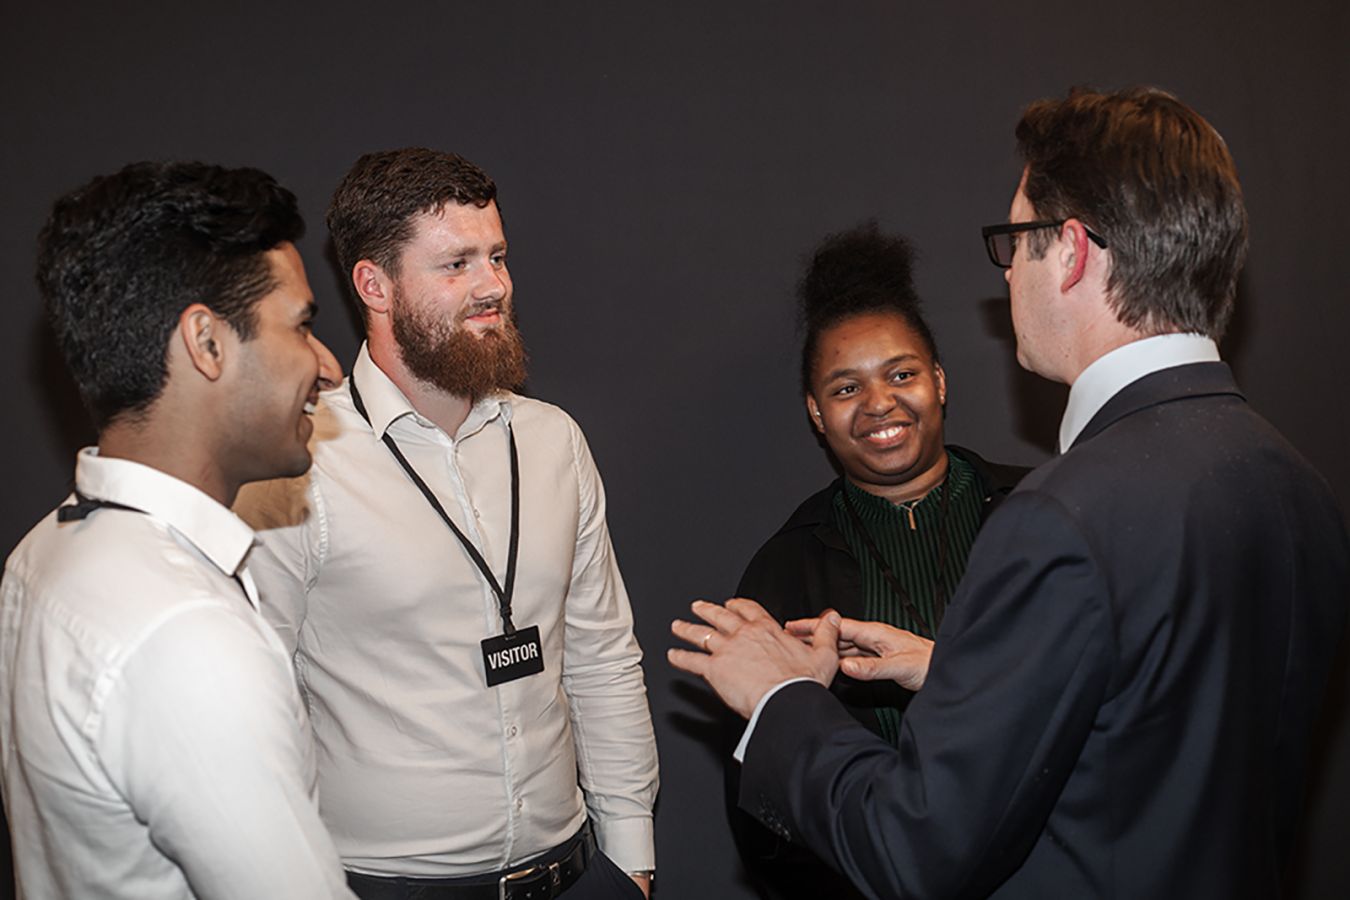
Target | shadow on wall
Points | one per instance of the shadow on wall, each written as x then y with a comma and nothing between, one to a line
1236,339
64,414
702,719
1317,823
1037,404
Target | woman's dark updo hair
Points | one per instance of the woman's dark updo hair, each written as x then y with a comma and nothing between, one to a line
852,273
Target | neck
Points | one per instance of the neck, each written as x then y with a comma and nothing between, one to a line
1099,332
160,448
448,411
914,489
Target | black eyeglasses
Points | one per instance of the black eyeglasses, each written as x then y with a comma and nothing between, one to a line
1001,240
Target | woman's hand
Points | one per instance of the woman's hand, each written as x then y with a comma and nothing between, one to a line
873,651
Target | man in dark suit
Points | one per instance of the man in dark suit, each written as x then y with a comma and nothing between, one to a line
1120,698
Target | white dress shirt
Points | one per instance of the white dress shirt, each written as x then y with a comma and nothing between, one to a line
154,745
1110,372
423,769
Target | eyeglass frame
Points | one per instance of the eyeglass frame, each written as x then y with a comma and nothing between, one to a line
989,232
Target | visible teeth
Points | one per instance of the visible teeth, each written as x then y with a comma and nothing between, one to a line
309,408
885,433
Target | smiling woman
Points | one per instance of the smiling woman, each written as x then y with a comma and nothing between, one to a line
888,540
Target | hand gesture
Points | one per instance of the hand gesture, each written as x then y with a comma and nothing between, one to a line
872,651
743,652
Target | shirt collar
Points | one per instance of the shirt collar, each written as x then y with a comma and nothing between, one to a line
386,404
219,534
1105,377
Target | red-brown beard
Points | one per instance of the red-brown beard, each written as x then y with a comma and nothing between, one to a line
456,360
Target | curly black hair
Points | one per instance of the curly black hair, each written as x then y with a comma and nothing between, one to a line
120,258
852,273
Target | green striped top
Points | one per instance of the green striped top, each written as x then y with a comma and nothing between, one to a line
908,536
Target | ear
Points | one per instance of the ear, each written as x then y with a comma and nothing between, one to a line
204,336
813,410
941,383
373,286
1073,253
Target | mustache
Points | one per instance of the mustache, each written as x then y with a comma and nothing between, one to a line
481,307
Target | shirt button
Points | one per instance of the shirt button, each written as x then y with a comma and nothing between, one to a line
520,804
511,732
477,514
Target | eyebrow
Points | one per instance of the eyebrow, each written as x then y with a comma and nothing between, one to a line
843,373
471,250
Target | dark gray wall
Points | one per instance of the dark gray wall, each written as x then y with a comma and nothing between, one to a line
663,167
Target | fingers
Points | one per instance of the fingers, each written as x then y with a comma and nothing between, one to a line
907,666
876,637
750,611
823,641
801,629
825,634
693,633
690,661
723,618
871,668
747,653
720,620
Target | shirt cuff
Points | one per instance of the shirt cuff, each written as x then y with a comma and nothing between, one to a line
627,841
739,754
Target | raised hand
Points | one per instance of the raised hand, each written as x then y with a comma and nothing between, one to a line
743,652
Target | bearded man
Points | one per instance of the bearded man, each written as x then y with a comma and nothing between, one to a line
445,579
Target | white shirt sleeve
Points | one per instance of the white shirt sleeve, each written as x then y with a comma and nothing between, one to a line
739,753
202,734
602,676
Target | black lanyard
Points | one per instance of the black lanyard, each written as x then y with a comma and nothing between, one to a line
83,506
503,593
939,588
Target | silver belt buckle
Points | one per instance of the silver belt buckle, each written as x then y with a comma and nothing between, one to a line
555,876
507,882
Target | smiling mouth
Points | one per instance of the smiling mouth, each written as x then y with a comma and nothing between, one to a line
484,311
887,435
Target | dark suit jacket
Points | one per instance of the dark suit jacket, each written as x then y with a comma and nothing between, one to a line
1122,691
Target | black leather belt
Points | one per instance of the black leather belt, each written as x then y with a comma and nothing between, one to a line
542,878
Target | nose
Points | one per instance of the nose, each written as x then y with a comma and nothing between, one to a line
878,399
330,372
494,284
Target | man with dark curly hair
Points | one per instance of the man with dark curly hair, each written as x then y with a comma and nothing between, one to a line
154,743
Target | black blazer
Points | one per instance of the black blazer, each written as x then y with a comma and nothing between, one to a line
1123,688
805,568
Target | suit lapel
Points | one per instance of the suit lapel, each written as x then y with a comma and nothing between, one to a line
1163,386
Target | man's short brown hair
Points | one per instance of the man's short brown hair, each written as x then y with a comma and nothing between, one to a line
371,215
1152,177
